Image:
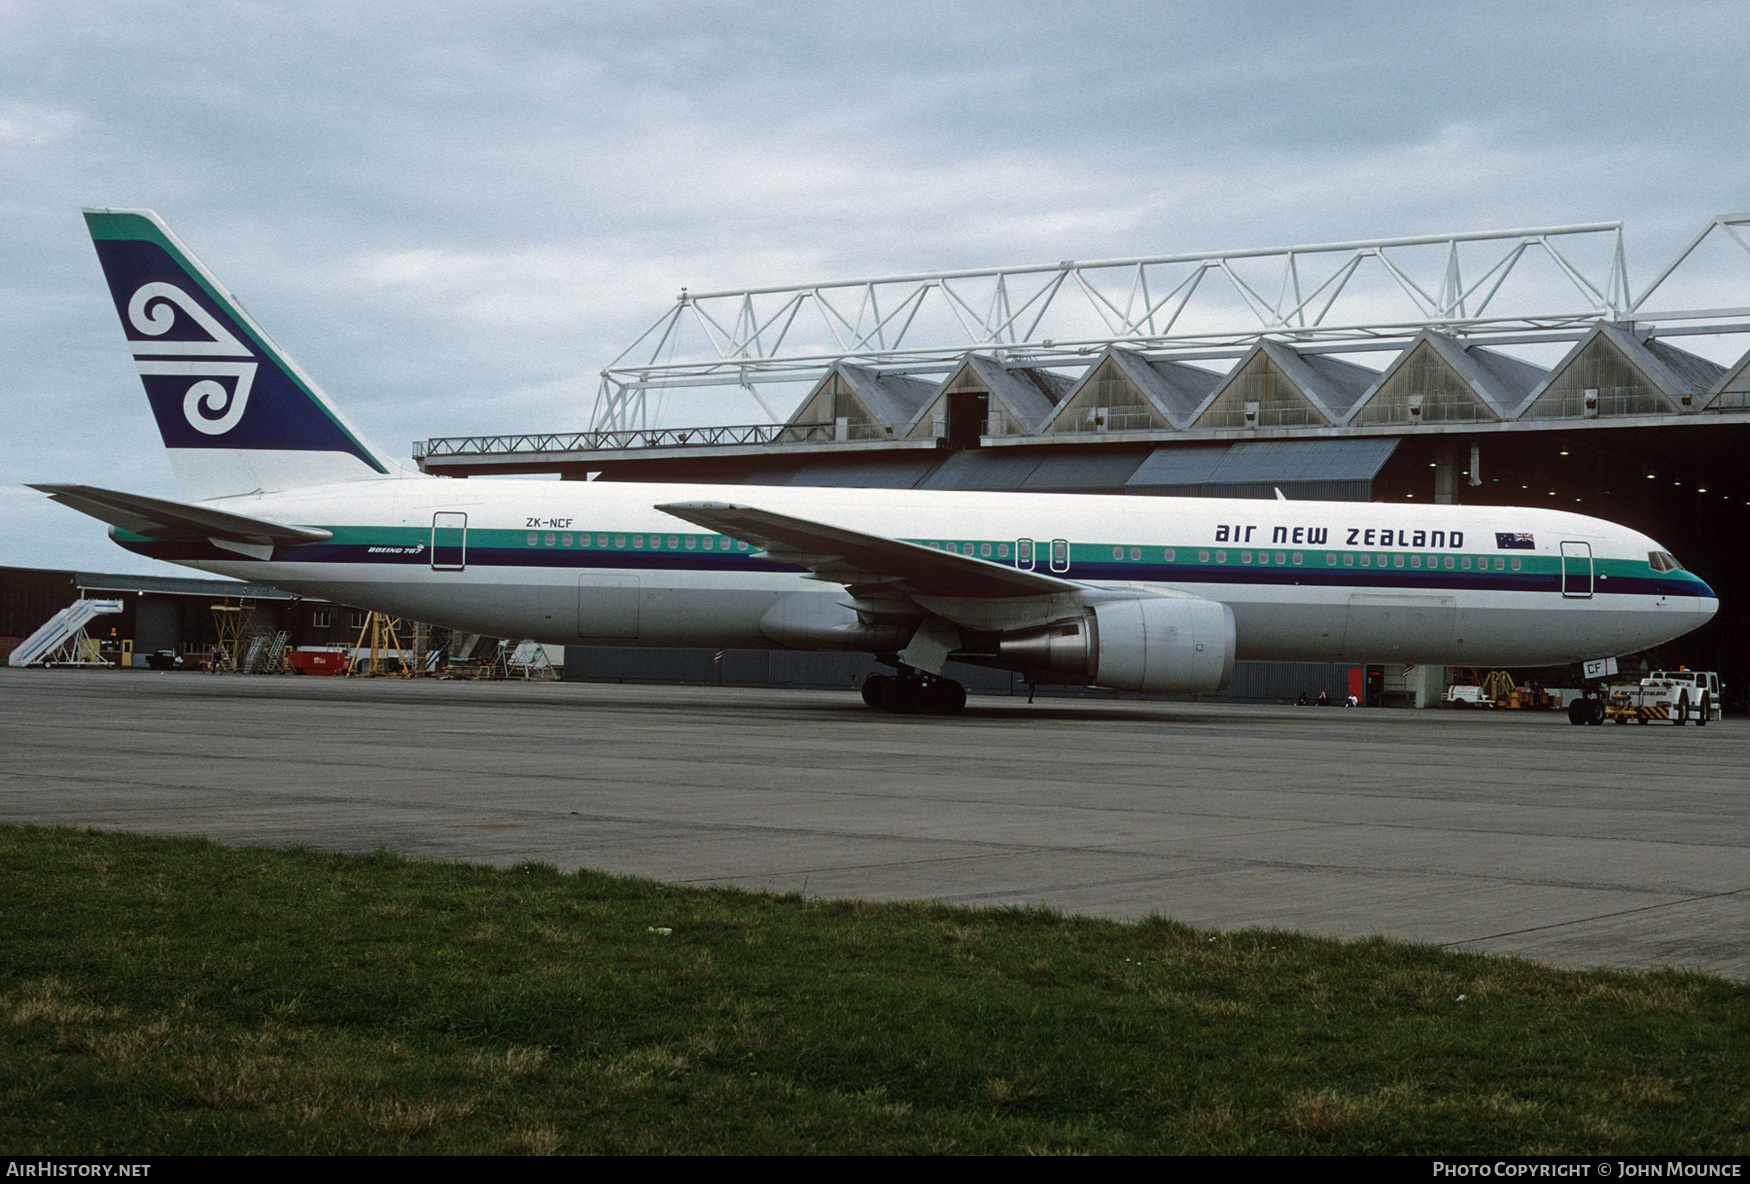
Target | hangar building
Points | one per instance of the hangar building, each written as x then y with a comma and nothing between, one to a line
1458,373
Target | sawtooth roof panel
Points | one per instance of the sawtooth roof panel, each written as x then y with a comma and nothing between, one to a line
1291,390
1124,391
1023,395
1733,388
1629,375
873,406
1453,383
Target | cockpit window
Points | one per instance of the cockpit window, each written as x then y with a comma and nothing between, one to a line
1663,561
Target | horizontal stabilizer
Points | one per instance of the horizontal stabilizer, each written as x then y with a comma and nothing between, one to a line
853,558
158,519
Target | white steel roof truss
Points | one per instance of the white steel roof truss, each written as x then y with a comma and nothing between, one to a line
747,348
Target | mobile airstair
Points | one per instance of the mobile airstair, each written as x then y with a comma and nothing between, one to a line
62,640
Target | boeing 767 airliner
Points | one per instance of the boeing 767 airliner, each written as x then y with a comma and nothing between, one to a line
1135,593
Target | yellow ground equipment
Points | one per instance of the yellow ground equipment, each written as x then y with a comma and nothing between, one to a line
378,653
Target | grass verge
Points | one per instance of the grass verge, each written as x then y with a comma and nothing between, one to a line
162,996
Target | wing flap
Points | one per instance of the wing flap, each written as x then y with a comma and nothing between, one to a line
856,559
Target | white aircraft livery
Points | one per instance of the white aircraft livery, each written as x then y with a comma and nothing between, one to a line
1135,593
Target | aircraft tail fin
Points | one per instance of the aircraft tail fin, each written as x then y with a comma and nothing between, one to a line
237,415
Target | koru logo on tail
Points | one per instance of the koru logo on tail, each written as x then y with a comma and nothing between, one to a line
208,405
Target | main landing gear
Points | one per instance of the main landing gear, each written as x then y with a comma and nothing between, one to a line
913,691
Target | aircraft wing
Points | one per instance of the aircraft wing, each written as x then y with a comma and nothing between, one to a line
159,519
836,555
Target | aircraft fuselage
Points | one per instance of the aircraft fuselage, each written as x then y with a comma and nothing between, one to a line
597,563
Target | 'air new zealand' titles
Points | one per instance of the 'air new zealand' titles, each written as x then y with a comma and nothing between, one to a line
1136,593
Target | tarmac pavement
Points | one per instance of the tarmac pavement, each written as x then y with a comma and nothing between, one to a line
1491,831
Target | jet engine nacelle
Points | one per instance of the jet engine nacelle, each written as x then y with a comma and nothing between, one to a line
1161,644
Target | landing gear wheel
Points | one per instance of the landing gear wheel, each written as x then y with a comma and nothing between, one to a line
909,693
875,690
944,697
1579,711
1596,717
901,697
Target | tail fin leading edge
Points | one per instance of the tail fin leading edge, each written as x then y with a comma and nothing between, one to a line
236,414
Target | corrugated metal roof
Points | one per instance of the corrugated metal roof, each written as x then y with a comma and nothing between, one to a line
1181,464
1020,394
1107,468
873,472
1693,372
982,470
1175,387
1339,384
1264,462
1508,379
891,399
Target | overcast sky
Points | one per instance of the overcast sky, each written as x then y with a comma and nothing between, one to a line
453,215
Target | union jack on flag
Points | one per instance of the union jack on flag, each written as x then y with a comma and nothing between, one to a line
1514,542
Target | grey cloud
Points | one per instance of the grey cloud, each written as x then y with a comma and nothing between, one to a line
454,214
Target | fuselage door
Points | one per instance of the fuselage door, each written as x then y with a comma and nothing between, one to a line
1059,555
449,541
1576,570
1024,554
